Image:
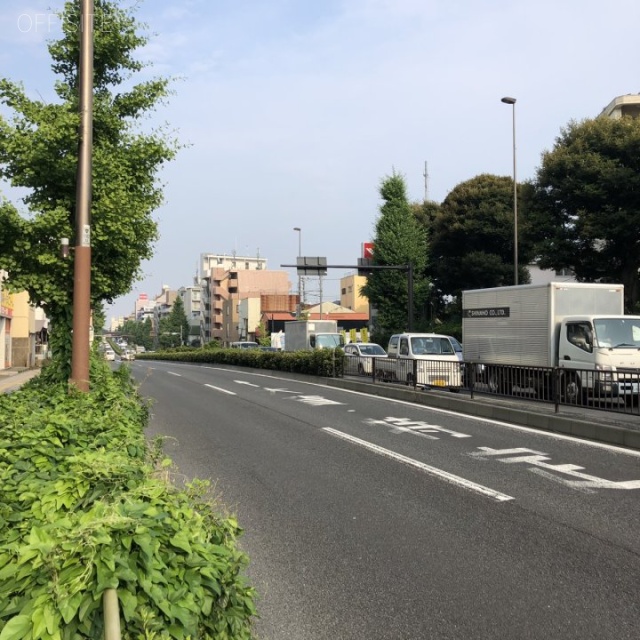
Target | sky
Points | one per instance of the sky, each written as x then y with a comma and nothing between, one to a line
291,112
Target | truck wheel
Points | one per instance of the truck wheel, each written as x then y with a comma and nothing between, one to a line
360,369
570,391
410,379
380,375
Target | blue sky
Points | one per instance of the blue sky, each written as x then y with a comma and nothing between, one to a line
293,111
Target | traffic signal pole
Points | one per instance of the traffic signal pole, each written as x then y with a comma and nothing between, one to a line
365,267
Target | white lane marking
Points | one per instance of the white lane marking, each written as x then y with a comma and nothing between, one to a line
278,390
316,401
439,473
172,373
510,425
248,384
539,461
231,393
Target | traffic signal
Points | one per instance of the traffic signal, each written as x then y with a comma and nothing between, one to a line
364,266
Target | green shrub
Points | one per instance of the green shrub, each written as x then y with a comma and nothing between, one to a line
85,506
322,362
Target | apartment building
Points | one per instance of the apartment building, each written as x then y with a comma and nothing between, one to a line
227,281
192,301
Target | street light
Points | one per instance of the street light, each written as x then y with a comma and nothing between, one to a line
299,314
512,102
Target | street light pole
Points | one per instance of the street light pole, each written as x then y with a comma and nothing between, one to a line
512,102
80,348
299,310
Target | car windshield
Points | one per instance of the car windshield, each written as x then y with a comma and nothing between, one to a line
617,332
372,350
431,346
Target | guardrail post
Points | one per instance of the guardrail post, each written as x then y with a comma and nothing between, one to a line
555,377
111,615
415,373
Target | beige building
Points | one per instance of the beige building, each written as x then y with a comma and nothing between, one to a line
623,106
227,281
350,296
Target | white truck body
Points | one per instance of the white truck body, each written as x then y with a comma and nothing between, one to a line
426,359
306,335
559,324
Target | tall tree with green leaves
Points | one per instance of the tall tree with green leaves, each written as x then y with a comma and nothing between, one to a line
173,329
473,235
587,203
39,152
399,240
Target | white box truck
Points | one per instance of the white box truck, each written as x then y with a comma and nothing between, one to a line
579,328
305,335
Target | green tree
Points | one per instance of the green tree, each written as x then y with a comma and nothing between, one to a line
587,203
138,332
399,240
173,329
39,152
472,237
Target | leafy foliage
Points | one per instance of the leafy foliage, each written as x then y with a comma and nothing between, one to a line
587,203
320,362
399,240
472,237
39,151
173,330
84,506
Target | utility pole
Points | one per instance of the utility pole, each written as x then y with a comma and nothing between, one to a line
82,257
426,182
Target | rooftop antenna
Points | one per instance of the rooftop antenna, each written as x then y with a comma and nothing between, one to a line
426,182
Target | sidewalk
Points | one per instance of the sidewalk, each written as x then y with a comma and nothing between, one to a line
13,378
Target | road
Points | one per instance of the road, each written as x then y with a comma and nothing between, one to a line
368,518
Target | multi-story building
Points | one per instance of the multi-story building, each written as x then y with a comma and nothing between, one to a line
163,303
350,296
192,301
226,281
623,106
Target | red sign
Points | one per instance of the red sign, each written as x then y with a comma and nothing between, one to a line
367,250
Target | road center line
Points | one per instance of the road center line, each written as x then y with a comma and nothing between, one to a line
172,373
231,393
457,480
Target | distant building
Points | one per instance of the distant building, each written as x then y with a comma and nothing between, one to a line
622,107
227,280
192,301
350,296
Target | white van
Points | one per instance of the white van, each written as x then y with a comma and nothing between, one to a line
423,359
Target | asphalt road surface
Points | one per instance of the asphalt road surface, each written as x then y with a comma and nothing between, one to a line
369,518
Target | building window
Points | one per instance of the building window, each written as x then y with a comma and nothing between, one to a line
344,292
246,265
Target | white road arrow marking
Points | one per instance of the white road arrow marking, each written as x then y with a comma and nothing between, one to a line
539,461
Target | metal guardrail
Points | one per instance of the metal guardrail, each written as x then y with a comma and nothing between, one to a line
617,391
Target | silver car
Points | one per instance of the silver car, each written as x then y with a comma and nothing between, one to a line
359,356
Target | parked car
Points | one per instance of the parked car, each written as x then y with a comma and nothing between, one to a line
359,355
245,345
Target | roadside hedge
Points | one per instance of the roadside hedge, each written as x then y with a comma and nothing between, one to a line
322,362
86,505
